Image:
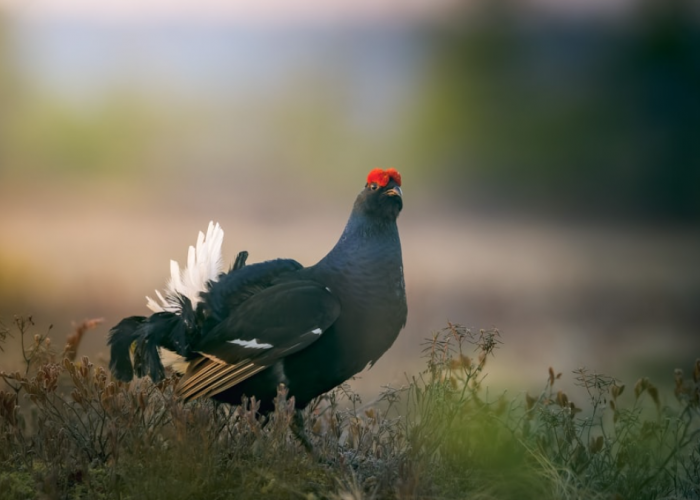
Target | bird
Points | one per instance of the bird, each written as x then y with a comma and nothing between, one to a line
243,332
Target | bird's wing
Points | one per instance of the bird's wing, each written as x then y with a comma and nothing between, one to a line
272,324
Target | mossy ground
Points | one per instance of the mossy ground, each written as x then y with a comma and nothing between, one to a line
67,430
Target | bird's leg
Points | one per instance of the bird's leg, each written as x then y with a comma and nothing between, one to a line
298,429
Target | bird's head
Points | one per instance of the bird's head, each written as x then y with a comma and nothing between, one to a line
381,196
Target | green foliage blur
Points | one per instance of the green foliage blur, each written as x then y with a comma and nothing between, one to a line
599,116
595,116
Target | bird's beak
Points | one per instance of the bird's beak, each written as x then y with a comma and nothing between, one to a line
395,191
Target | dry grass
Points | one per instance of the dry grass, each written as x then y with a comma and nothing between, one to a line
67,430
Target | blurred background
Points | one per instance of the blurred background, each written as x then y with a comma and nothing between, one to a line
550,152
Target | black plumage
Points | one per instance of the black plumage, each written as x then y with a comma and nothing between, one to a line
310,328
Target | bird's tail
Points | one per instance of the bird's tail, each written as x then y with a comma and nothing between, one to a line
146,338
204,264
121,337
175,322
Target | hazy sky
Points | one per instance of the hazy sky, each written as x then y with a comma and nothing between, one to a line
267,11
274,11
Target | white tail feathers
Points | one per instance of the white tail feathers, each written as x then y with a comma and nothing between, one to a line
204,263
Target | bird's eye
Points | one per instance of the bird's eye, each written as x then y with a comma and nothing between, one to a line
374,186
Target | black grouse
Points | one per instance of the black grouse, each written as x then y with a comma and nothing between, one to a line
245,331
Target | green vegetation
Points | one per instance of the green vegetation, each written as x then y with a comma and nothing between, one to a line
68,431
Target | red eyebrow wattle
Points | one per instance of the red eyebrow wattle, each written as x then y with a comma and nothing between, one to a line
382,177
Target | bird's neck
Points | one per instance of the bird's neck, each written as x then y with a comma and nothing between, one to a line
365,239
